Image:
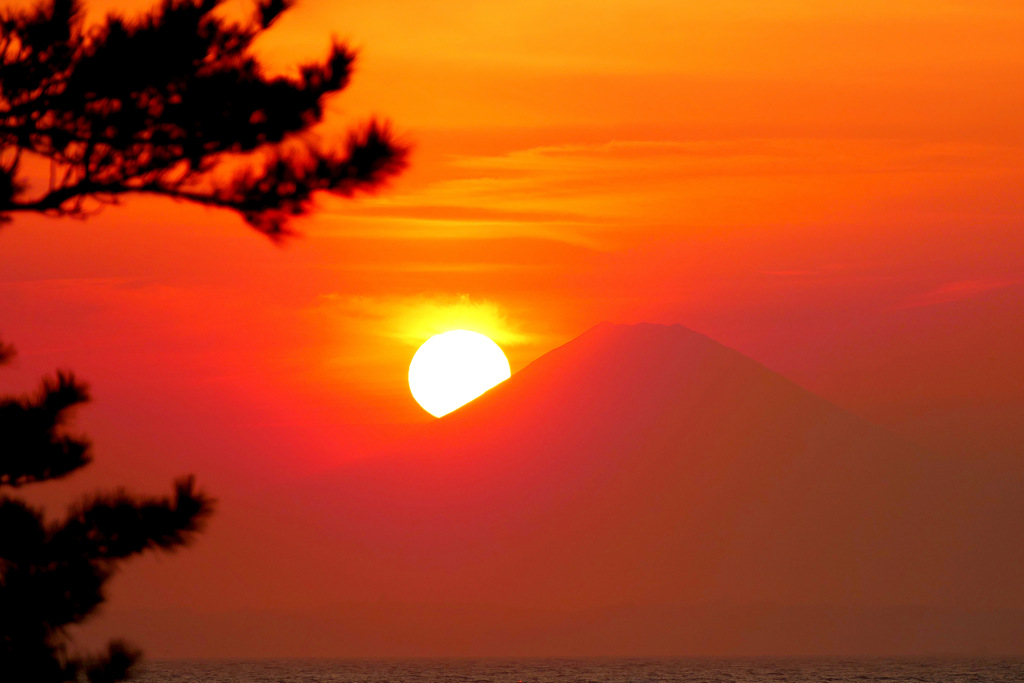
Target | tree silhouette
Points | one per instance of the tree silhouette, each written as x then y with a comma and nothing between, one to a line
172,104
52,575
161,105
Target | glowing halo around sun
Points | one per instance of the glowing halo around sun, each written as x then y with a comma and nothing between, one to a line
452,368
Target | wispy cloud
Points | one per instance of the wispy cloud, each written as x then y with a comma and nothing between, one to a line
602,195
956,291
412,320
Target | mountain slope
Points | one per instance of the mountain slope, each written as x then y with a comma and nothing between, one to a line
649,464
641,490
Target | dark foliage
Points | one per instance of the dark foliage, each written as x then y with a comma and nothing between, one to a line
34,449
52,574
159,105
155,105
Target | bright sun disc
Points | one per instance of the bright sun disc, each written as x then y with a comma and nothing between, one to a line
452,368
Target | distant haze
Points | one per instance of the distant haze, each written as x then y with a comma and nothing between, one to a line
832,189
643,490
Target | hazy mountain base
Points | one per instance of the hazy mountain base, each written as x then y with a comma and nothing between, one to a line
705,497
387,629
650,465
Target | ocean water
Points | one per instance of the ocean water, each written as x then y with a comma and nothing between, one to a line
596,670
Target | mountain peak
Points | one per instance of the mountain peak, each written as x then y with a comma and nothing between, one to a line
629,372
648,465
639,332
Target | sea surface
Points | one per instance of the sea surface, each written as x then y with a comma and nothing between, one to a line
595,670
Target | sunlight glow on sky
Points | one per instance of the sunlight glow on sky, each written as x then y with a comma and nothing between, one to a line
774,174
833,189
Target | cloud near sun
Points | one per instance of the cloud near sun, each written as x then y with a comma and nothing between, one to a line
602,196
412,320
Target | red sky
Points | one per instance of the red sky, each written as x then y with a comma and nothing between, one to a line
833,190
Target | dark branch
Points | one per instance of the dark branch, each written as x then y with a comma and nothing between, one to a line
266,196
34,445
114,526
188,93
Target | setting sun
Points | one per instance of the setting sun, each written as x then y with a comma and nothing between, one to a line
452,368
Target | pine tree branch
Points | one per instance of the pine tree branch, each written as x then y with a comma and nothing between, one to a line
33,446
188,92
7,352
113,526
282,187
114,665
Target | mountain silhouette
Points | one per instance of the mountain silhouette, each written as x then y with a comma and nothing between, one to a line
649,464
641,490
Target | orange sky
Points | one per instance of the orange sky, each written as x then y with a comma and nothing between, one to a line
832,189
